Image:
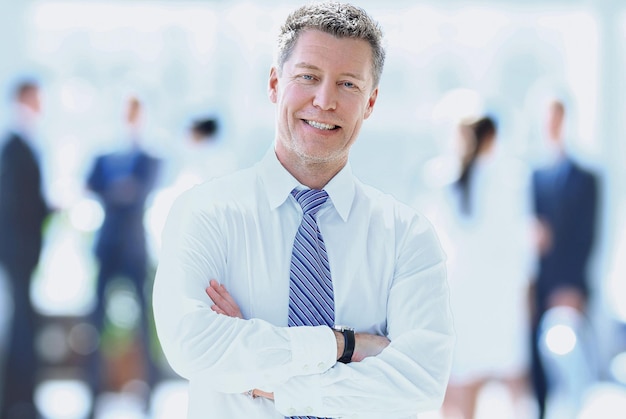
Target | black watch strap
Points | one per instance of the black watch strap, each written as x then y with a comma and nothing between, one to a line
348,344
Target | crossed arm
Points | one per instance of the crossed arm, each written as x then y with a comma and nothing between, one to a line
366,344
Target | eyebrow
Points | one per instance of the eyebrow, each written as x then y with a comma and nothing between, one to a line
308,66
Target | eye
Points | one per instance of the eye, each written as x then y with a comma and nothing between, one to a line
349,85
307,77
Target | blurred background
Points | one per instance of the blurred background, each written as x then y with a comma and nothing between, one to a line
208,61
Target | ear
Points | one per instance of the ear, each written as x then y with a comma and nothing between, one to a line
273,85
370,103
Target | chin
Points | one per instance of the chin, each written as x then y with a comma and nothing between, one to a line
323,158
313,157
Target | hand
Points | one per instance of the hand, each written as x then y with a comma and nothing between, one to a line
224,303
260,393
567,297
543,237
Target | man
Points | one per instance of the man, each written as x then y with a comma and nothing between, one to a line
565,203
122,181
266,348
23,210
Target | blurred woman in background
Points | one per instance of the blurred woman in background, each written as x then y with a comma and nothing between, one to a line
484,222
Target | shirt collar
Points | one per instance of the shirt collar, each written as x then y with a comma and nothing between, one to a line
279,183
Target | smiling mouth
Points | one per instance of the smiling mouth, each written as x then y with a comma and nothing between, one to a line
320,125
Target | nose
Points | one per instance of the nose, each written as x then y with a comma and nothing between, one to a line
326,96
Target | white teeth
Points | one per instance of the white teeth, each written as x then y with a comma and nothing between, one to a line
319,125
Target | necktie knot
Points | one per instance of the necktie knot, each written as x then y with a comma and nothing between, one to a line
310,199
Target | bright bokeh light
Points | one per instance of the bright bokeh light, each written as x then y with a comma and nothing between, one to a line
63,399
87,215
604,401
83,338
51,343
616,279
63,283
123,308
561,339
119,406
618,367
170,400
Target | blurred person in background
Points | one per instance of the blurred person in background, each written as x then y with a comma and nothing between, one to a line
23,210
484,218
123,181
565,199
203,155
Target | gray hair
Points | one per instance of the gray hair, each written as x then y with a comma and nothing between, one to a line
341,20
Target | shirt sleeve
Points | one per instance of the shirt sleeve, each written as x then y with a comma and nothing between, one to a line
230,354
410,375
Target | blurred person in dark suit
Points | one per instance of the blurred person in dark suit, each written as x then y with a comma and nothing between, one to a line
23,210
123,181
565,203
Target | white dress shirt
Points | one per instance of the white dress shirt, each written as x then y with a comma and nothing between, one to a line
389,278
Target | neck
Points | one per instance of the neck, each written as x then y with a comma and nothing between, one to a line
25,119
314,179
314,175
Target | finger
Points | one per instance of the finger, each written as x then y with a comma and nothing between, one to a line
226,295
213,284
224,301
218,310
218,300
214,295
220,292
227,301
222,298
211,290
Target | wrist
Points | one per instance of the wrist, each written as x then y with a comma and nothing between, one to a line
345,343
340,342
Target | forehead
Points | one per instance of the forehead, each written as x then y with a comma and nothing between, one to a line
328,52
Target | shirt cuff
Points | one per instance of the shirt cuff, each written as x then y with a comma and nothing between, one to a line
313,349
299,396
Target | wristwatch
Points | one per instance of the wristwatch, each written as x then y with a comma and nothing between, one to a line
348,343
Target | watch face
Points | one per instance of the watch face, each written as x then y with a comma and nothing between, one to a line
342,328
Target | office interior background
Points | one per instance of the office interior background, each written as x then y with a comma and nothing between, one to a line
188,59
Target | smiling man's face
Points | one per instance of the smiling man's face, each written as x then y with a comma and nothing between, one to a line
323,94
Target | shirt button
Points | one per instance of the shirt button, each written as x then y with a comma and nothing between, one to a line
321,366
309,409
305,367
292,411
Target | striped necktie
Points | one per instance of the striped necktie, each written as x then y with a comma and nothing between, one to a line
311,301
311,298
